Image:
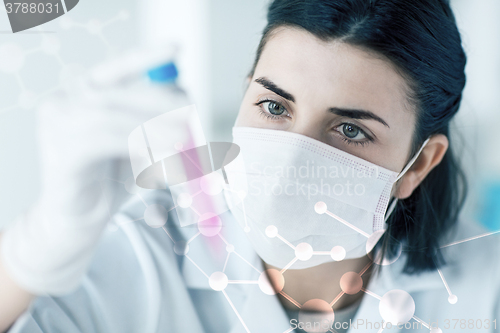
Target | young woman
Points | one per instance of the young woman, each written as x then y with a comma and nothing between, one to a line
366,86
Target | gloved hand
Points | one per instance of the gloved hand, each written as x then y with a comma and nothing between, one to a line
82,138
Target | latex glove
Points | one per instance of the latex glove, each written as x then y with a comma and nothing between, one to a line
82,137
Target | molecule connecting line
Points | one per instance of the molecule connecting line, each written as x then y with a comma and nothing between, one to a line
351,282
155,216
395,306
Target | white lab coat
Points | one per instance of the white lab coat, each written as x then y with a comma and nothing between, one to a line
137,283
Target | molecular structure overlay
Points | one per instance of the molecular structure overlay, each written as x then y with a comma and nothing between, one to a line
350,283
12,60
13,57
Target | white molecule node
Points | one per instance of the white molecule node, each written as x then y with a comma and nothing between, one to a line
397,306
155,216
184,200
338,253
218,281
453,299
242,194
246,229
436,330
317,311
230,248
266,286
304,251
209,224
351,283
320,207
271,231
181,248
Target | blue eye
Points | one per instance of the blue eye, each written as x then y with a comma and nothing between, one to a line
351,131
272,109
353,134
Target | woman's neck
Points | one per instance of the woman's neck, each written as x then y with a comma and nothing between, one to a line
323,282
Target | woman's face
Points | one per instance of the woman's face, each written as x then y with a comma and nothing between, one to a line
333,92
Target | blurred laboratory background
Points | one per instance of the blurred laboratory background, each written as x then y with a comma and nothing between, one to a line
217,40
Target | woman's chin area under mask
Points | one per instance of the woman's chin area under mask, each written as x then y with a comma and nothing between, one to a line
349,98
324,282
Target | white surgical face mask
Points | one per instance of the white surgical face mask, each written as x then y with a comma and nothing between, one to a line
302,202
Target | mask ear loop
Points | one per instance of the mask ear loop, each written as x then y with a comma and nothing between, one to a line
401,174
391,209
408,166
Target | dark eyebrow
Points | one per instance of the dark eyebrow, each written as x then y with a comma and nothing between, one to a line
270,85
357,114
350,113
